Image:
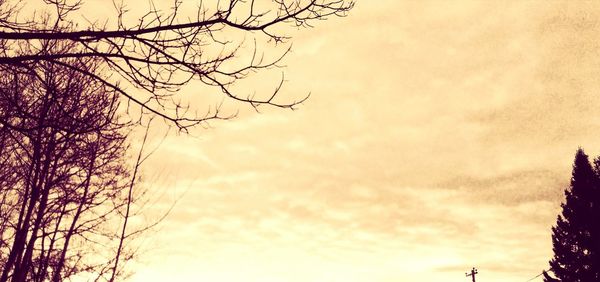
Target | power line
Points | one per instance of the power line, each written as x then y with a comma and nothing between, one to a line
542,273
535,276
474,271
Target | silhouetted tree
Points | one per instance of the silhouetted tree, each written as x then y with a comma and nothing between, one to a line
165,49
62,175
575,236
64,181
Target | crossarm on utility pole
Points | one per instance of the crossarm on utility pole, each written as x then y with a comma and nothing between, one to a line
472,274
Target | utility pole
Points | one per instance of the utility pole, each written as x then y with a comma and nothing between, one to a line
472,274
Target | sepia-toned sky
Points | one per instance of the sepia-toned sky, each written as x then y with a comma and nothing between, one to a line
439,136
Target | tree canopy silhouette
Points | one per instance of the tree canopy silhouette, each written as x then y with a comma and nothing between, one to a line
65,185
576,235
165,49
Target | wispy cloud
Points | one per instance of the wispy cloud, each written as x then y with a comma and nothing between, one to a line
439,137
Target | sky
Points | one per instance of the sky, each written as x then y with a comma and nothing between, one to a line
439,136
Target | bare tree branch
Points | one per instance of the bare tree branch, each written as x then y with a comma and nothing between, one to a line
165,51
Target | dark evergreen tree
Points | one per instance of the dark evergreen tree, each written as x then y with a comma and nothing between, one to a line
576,236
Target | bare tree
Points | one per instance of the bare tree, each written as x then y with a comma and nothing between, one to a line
164,50
64,180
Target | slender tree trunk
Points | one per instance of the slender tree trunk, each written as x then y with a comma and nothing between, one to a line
56,275
138,163
46,260
45,191
32,185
